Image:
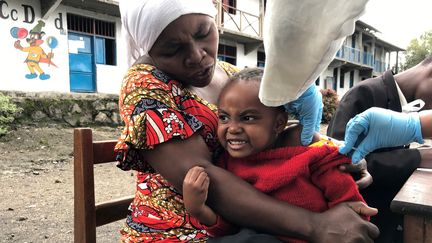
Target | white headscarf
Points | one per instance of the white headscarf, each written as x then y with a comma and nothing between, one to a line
301,38
144,20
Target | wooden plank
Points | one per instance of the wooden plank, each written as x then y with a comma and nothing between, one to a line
415,197
111,211
103,151
413,229
87,214
84,200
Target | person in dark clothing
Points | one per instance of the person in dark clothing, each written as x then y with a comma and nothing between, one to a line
389,167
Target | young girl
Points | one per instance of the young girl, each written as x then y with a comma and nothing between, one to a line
261,150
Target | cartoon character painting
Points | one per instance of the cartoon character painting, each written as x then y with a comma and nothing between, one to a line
36,54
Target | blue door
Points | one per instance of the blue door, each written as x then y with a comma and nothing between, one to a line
81,63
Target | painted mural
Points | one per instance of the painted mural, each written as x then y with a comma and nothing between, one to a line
36,55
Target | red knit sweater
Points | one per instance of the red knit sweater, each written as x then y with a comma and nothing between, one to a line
304,176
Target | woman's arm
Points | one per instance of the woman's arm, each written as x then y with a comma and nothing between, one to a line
240,203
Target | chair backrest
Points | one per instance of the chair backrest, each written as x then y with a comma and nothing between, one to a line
87,214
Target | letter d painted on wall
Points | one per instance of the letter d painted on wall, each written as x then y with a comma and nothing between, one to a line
29,14
58,22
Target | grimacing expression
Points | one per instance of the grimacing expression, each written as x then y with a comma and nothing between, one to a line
186,49
245,125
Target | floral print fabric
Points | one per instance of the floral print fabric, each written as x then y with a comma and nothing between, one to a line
155,109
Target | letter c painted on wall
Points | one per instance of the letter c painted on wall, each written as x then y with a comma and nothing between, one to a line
12,14
1,10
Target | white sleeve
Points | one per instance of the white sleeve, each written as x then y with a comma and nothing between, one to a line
301,38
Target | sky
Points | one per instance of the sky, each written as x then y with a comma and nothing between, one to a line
399,21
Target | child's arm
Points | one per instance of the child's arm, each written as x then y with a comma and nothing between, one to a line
337,186
195,189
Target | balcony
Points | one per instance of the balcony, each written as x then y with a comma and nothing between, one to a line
349,54
239,25
379,67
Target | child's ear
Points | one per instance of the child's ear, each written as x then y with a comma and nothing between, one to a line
281,122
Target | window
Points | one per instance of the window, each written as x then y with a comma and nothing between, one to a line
230,6
260,59
103,33
335,73
342,80
227,54
351,82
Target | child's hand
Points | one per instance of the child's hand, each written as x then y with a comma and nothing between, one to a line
195,190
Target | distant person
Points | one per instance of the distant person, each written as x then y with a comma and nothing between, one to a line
389,167
262,151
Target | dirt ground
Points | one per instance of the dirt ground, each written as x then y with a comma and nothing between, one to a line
36,179
37,185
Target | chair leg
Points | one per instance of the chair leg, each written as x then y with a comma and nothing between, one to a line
84,198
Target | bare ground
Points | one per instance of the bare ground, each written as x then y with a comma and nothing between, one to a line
36,178
36,203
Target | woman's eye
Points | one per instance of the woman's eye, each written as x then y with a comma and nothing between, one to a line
171,53
171,50
202,35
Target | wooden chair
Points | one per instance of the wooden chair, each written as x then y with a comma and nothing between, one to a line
87,214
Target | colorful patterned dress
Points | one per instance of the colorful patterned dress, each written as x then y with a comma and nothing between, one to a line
155,109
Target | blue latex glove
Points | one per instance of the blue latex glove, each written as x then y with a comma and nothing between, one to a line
380,128
308,110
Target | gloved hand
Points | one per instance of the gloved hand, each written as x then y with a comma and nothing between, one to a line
308,110
380,128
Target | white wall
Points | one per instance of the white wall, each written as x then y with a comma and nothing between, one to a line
108,77
329,85
249,60
25,15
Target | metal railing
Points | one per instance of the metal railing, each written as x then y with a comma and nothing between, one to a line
353,55
379,66
368,58
238,20
350,54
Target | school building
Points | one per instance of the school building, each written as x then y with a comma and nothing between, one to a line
76,46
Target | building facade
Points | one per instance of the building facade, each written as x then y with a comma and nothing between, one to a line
76,46
62,46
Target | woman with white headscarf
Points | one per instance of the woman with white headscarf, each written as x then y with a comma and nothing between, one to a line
166,103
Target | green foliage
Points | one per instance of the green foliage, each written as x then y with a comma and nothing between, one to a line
331,102
8,113
418,50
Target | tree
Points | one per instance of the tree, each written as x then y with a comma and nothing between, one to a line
418,49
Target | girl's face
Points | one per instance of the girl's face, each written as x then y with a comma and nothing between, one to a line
245,125
186,49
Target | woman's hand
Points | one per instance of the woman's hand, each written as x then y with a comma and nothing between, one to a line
360,173
380,128
342,224
308,110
